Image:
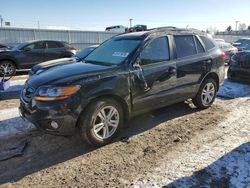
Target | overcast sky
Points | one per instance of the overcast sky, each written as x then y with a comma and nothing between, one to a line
98,14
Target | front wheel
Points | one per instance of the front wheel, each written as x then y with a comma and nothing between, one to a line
100,123
206,95
7,68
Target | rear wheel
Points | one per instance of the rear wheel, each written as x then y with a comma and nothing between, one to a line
206,95
100,123
7,67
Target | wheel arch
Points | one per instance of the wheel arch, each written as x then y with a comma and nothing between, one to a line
214,76
7,59
118,99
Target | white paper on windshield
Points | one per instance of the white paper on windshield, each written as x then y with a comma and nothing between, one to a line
120,54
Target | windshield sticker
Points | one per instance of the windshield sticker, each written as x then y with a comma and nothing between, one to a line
120,54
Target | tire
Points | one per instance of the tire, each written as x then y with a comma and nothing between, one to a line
9,67
93,119
208,88
229,74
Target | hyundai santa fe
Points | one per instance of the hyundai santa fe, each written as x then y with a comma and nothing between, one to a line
127,75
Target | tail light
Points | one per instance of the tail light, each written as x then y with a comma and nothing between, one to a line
223,56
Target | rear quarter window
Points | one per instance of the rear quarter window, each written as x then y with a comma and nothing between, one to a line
52,44
200,48
207,42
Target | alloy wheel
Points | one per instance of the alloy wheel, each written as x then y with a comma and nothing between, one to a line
208,94
106,122
7,68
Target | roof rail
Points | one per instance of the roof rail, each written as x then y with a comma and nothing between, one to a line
176,29
166,28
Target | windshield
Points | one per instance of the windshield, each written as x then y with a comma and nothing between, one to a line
19,46
114,51
82,54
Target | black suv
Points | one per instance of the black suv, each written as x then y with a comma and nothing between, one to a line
25,55
127,75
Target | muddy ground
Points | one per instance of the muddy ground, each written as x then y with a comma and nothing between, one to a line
174,146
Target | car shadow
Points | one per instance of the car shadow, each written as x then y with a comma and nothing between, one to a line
45,150
231,170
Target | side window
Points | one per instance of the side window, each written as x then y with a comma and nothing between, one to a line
155,51
207,42
199,46
185,45
59,44
51,44
35,46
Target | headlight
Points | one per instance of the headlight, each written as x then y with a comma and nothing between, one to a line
55,93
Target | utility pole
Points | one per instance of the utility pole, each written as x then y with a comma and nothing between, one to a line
1,20
38,24
236,25
130,22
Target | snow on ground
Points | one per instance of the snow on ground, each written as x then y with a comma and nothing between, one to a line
217,158
16,85
11,123
233,90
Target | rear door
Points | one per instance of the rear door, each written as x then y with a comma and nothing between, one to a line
191,63
54,50
153,80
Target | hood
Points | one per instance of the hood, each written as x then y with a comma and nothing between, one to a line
49,64
67,73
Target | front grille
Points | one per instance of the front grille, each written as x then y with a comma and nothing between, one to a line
27,93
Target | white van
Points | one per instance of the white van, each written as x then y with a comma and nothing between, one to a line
116,28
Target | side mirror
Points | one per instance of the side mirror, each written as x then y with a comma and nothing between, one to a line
137,63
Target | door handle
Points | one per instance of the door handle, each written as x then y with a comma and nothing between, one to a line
172,70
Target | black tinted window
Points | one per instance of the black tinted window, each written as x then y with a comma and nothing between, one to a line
155,51
199,46
207,42
51,44
36,45
185,45
59,44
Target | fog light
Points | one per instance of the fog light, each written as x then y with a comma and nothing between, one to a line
54,125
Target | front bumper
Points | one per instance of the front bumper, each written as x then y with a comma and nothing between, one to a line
65,113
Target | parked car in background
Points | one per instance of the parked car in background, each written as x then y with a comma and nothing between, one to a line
242,44
4,47
127,75
28,54
239,69
138,28
116,28
80,56
228,49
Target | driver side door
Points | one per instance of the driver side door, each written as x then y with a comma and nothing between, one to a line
154,76
32,54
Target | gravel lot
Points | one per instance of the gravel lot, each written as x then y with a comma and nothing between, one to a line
177,146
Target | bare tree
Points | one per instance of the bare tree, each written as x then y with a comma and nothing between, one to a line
229,28
242,26
212,30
